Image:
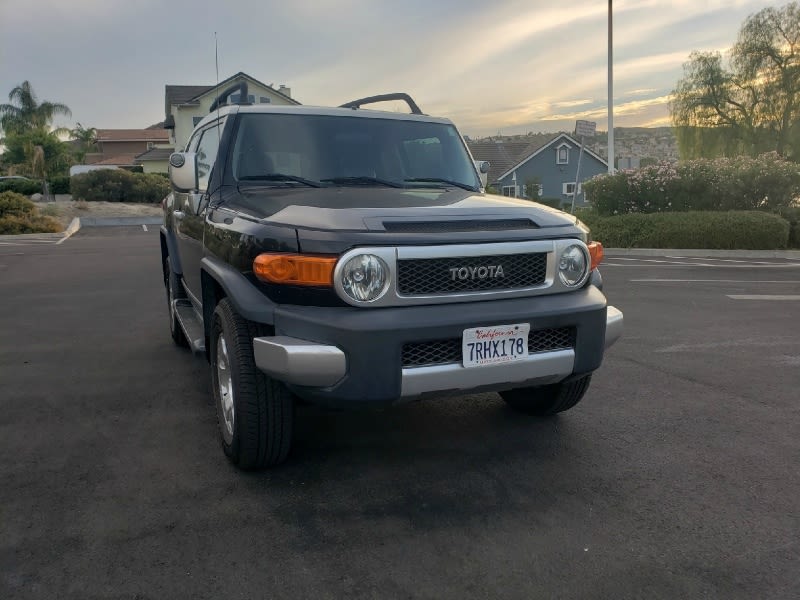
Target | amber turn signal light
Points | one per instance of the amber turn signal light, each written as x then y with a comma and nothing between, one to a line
596,253
295,269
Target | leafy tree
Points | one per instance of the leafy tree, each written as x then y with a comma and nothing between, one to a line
25,112
36,153
86,138
32,147
750,103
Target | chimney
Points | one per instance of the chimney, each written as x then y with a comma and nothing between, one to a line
285,90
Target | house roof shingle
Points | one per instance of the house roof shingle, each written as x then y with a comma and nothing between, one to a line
132,135
503,154
155,154
121,160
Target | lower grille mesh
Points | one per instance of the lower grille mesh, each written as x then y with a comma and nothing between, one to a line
442,352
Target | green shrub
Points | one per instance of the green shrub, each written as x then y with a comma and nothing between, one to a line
118,185
741,183
732,230
25,187
59,185
149,187
792,214
14,204
14,225
19,215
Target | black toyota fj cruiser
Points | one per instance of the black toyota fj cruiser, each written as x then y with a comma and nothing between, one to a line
350,257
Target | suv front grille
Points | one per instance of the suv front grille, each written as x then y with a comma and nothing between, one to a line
441,352
429,276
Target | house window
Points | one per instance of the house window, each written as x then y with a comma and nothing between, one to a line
234,98
569,188
510,191
562,154
264,100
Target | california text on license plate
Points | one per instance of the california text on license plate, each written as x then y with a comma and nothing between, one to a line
494,344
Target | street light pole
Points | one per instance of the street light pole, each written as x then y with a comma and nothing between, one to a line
610,92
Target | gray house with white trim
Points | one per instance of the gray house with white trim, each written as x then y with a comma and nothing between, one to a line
545,171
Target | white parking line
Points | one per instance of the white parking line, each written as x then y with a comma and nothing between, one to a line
715,281
764,296
144,226
714,263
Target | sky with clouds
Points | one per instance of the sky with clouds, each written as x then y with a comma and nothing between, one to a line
508,66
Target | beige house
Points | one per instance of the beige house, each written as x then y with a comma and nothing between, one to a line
120,147
186,105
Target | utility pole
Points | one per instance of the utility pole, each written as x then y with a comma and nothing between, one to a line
610,91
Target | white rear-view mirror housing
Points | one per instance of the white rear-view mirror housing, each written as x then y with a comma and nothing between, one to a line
183,171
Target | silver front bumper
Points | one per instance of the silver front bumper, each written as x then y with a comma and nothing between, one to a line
310,364
299,362
614,322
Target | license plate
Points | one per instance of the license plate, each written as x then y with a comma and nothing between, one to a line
494,344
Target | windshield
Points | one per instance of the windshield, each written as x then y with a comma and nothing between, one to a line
350,151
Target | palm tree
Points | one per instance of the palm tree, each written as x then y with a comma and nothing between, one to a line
24,112
86,137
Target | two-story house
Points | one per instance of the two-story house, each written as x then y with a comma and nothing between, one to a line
186,105
548,170
121,147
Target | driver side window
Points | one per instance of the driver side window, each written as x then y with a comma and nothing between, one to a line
207,155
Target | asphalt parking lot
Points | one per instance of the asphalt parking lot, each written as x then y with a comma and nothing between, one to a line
676,477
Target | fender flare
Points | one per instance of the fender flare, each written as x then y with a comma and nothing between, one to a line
169,248
246,298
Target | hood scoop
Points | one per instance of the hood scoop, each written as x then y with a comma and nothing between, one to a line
452,225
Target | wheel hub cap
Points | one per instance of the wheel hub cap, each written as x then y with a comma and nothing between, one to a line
225,383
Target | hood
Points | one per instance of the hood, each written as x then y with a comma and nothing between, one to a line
370,209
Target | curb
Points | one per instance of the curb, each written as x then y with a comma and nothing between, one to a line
79,222
117,221
699,253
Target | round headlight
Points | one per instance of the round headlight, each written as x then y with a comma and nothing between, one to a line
572,265
365,277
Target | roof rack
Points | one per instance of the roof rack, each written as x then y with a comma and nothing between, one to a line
355,104
240,87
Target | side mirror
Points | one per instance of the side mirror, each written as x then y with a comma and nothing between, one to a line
183,171
482,166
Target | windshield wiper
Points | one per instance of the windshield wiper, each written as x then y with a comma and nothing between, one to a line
463,186
362,180
281,177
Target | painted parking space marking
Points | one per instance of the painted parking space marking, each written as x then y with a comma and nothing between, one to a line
654,280
715,263
790,297
31,241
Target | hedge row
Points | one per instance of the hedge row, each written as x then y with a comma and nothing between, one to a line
118,185
742,183
28,187
19,215
733,230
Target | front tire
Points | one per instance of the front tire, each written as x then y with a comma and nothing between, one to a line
255,412
546,400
